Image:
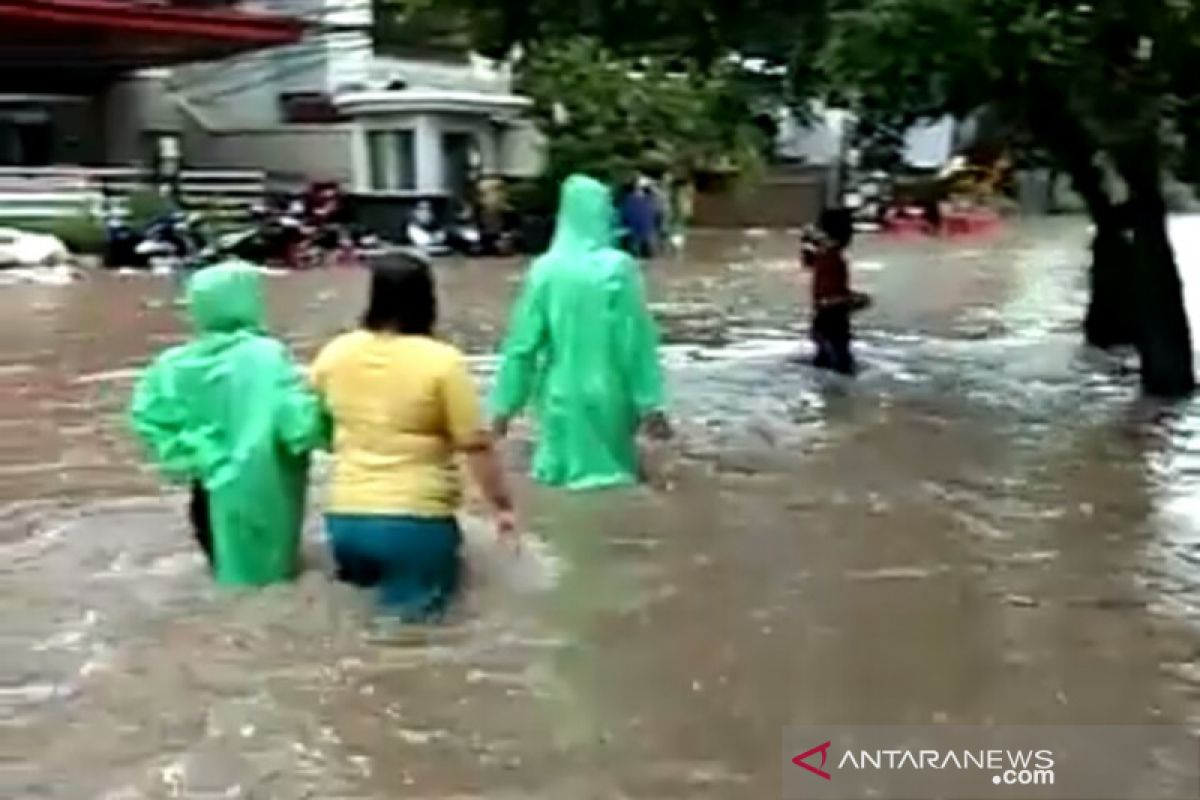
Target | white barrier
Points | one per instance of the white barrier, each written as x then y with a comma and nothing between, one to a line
48,193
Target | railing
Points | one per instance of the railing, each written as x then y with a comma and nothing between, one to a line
188,4
46,193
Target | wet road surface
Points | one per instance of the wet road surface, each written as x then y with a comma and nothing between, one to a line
986,526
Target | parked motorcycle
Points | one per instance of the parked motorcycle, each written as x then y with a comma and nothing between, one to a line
273,241
424,233
170,241
165,242
464,236
120,243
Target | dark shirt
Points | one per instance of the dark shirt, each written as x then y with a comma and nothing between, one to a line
831,276
639,215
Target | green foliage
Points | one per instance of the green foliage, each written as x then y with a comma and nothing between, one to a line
764,50
146,205
1110,77
533,198
81,232
696,31
432,28
613,117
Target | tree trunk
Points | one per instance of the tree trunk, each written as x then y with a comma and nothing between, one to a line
1164,340
1111,318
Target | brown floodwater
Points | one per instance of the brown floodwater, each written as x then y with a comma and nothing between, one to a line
986,526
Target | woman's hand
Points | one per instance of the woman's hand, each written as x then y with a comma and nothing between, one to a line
506,528
484,464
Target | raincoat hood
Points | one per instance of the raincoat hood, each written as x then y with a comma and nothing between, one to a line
586,217
226,298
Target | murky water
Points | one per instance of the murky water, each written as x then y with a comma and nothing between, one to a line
986,526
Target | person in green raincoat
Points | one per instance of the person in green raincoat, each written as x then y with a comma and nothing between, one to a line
229,413
583,349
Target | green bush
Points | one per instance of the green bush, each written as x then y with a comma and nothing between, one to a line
82,233
534,197
146,205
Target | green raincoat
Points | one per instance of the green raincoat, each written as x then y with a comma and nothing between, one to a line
230,410
583,348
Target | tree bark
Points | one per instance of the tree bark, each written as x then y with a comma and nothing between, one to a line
1164,339
1111,319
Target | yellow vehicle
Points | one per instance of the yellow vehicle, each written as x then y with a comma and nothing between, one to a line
977,181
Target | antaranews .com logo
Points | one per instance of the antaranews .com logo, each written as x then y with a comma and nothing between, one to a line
916,762
1007,767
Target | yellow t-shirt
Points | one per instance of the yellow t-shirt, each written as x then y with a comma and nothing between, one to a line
401,406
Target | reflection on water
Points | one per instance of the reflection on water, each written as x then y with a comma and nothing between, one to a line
985,526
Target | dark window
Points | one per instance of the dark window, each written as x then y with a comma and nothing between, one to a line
392,161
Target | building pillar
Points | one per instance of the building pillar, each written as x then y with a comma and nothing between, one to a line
491,145
427,145
360,160
137,104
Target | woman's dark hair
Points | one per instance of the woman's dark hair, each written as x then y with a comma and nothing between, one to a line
403,297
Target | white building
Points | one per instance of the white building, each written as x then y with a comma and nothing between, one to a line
330,109
820,142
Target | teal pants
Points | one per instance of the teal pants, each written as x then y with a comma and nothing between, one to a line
413,562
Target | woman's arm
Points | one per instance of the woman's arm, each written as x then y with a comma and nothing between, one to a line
466,428
487,471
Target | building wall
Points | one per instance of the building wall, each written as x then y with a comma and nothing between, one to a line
522,150
133,107
292,155
243,91
231,114
783,199
819,142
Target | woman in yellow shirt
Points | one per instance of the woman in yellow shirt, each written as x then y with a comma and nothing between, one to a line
403,408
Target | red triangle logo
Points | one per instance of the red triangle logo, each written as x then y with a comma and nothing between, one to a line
802,760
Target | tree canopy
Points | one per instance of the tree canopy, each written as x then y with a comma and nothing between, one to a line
1106,88
618,87
612,116
1102,88
700,31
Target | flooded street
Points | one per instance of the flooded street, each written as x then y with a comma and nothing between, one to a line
986,526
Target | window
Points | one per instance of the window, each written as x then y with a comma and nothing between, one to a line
392,161
26,137
460,153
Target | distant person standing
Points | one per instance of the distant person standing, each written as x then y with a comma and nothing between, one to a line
583,348
833,301
641,217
